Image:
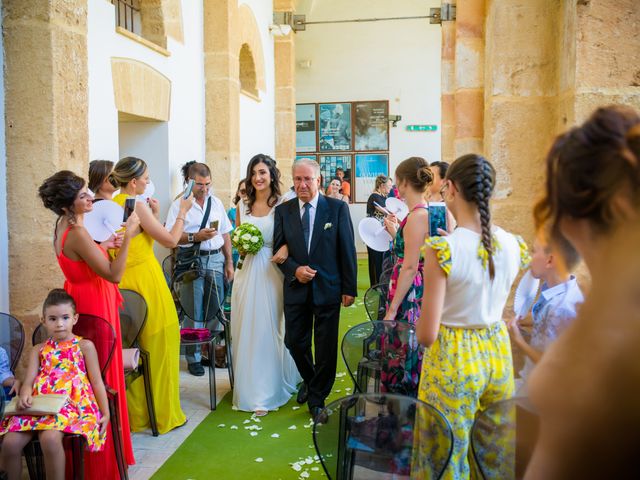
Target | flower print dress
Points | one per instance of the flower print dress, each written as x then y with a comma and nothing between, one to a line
401,352
63,371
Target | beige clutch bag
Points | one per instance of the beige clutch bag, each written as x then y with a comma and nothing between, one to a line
45,404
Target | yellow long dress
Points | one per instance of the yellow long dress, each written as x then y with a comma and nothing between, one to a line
160,337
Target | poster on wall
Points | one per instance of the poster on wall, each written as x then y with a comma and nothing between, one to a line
300,156
328,166
371,125
368,167
306,128
335,126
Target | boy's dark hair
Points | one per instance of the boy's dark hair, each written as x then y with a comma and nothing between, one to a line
58,296
566,250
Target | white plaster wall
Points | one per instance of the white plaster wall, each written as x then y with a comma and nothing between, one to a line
4,235
184,68
397,61
257,119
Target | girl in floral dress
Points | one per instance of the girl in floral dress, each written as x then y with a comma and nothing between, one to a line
401,354
64,364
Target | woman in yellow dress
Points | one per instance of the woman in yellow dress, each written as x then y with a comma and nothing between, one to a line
161,334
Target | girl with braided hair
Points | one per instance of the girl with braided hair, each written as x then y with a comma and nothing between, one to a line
468,276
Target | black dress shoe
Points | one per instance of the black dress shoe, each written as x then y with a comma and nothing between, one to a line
303,394
196,369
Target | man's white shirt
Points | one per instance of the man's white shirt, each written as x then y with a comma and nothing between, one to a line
194,217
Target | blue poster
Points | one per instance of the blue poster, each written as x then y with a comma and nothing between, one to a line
368,167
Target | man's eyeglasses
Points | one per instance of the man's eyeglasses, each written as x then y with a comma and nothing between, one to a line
242,191
306,180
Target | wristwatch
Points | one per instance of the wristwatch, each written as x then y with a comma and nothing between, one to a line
191,237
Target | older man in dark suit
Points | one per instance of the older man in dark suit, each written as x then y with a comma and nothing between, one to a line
319,276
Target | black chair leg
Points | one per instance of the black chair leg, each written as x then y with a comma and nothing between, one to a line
146,376
116,434
212,376
227,342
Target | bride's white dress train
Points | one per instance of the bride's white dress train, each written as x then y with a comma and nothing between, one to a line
264,372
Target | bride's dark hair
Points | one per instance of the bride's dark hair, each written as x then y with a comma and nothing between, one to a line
274,184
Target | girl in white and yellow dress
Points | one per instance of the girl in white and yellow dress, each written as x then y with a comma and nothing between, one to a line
467,365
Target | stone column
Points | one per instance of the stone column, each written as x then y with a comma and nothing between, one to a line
285,97
607,68
522,64
469,77
46,124
222,93
448,84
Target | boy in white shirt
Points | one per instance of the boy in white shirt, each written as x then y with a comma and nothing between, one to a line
555,308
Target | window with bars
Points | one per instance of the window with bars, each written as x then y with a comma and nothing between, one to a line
128,15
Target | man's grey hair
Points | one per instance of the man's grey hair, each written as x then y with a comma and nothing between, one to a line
308,162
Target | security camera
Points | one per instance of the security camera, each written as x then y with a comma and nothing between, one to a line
394,119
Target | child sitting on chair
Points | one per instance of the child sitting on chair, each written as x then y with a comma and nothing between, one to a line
10,384
556,306
63,364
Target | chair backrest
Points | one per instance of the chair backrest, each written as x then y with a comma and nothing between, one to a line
375,301
183,290
502,439
168,265
133,317
379,435
11,338
93,328
369,347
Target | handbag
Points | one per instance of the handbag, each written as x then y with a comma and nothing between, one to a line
188,258
43,404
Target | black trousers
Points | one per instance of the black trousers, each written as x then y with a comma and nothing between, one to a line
375,266
301,321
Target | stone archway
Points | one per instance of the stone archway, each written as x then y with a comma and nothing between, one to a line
234,63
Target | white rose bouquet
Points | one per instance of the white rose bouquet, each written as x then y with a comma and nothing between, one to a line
247,239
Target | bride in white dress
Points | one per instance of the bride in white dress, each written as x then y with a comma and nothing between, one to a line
264,372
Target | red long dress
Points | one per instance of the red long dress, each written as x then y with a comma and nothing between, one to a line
95,295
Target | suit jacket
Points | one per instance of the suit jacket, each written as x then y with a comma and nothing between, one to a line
332,252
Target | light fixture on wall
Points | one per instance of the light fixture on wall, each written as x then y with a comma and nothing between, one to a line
394,119
279,30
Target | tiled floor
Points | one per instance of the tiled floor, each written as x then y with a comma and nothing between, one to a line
151,452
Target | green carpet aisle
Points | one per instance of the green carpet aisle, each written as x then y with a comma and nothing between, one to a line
230,445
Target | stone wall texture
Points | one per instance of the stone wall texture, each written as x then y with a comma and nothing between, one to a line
46,123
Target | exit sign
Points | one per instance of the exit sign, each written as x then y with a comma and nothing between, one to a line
422,128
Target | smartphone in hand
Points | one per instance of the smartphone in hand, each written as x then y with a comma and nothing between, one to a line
437,217
129,207
189,188
214,224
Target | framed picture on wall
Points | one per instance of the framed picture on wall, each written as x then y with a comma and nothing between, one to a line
335,126
306,127
371,125
368,167
329,164
300,156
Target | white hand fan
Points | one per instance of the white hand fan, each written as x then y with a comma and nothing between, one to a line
103,220
148,192
525,294
374,235
397,207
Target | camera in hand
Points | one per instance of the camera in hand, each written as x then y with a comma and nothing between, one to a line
129,207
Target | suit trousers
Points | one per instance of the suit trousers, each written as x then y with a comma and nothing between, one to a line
301,320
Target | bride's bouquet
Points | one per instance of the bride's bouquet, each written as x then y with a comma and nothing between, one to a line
247,240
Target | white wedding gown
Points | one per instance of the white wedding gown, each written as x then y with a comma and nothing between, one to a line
264,372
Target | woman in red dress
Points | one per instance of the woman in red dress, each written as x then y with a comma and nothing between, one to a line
91,279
